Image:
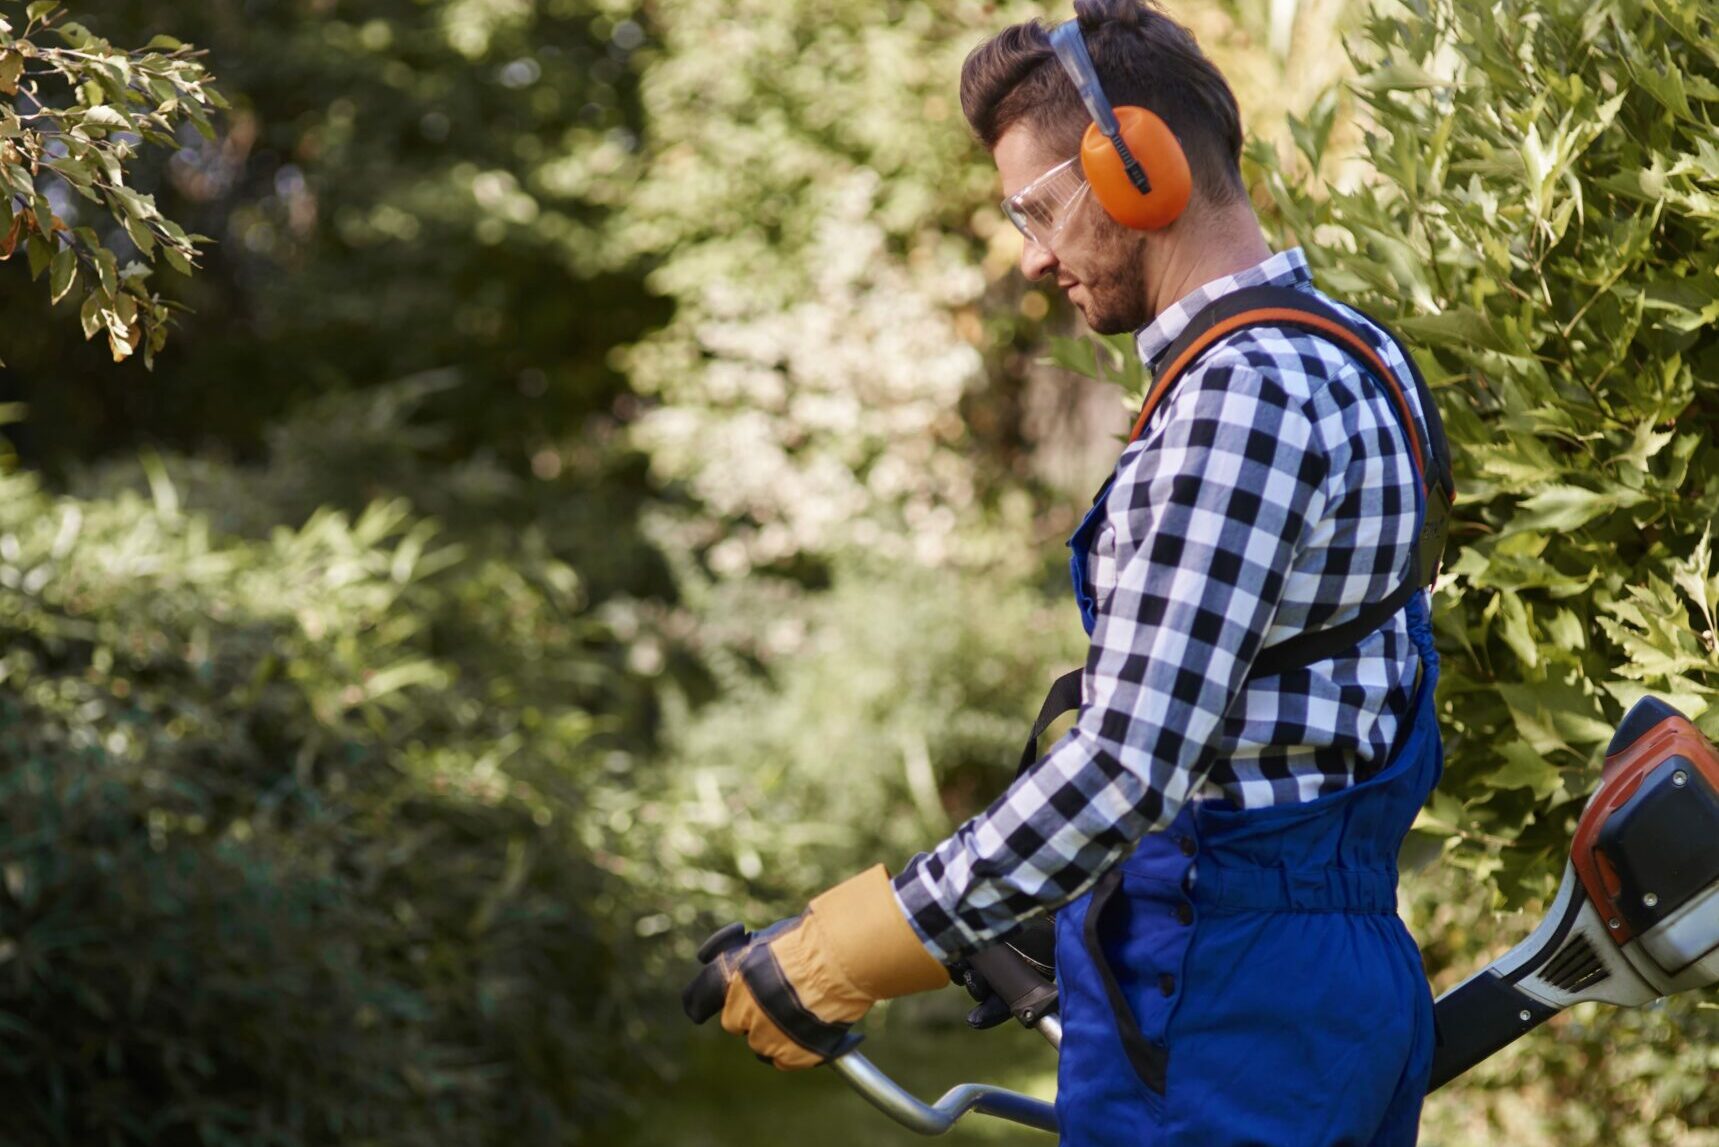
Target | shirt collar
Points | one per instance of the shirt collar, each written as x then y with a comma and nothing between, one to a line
1284,269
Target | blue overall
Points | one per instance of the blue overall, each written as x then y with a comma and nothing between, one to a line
1256,985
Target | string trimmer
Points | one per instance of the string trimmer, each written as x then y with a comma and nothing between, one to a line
1636,918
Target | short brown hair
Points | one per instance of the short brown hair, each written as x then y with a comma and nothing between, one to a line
1144,59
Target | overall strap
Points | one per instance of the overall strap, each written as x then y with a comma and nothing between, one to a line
1269,306
1299,310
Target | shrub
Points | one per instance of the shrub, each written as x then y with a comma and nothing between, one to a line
291,849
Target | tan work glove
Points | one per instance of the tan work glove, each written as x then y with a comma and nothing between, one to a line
794,989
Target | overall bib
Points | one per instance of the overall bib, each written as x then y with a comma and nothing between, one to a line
1243,977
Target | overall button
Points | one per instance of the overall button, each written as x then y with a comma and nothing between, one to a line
1167,984
1185,913
1187,845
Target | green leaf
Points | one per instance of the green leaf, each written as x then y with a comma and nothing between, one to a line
103,115
1399,76
1524,768
41,8
89,315
1646,443
1313,134
1562,508
1459,326
1514,629
164,44
63,273
75,34
11,70
107,268
140,234
1078,355
41,253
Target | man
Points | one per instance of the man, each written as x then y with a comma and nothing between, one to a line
1218,830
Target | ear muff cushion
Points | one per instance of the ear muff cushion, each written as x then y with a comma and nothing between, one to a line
1155,146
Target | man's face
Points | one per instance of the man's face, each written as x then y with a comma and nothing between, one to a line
1096,260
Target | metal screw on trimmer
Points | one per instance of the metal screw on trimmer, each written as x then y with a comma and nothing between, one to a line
1524,1015
1614,922
1650,899
1680,778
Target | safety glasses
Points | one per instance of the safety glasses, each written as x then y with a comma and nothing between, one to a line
1043,207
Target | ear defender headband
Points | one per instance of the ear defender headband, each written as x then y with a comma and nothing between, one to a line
1130,157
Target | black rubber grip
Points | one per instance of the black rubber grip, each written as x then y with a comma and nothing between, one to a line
1028,994
1478,1018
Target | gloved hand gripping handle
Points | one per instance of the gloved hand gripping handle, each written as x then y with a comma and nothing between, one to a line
1014,979
1029,995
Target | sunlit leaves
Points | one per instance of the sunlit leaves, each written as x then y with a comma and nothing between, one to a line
75,118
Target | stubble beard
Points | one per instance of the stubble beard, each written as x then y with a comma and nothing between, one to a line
1117,295
1115,307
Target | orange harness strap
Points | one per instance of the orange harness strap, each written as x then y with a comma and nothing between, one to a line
1285,315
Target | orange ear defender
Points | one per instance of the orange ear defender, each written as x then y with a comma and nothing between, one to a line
1131,158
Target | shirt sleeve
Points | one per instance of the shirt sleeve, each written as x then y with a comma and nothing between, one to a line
1209,509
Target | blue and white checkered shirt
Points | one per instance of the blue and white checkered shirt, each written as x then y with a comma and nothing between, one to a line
1272,492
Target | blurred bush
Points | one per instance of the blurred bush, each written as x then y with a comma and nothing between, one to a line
893,706
292,848
808,183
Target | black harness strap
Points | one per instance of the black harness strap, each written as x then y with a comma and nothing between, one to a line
1315,645
1064,697
1298,310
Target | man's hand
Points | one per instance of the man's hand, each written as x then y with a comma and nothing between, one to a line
1034,942
795,988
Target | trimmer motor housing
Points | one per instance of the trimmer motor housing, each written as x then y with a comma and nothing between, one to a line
1637,914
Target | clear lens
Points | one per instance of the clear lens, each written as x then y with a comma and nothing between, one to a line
1041,208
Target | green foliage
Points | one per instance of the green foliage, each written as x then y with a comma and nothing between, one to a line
1539,223
1541,229
292,847
73,112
